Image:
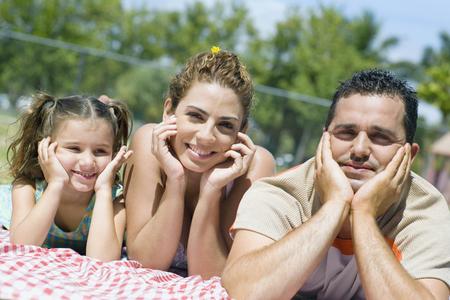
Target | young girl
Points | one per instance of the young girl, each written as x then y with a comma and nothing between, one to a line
188,173
63,190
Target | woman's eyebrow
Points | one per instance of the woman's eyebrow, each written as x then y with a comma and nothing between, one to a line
205,113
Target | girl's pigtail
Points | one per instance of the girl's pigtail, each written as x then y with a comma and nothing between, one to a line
122,117
123,124
34,124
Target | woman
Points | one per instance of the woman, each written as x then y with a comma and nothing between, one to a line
188,173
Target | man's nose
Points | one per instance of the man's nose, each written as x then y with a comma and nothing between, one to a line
361,146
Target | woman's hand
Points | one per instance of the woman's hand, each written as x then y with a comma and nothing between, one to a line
106,177
160,147
239,157
51,167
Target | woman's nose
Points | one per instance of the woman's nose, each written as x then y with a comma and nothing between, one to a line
205,134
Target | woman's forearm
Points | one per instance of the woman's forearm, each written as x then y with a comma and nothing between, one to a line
155,244
207,250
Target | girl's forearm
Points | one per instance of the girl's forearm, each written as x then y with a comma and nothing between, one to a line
33,229
103,242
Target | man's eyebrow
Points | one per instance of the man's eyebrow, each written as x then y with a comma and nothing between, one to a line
385,131
345,126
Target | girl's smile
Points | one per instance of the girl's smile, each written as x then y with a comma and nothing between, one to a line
84,150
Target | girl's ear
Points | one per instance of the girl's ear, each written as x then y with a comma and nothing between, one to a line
167,109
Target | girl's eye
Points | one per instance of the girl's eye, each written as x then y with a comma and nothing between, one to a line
73,148
101,152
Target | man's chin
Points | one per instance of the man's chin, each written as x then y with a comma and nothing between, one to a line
356,184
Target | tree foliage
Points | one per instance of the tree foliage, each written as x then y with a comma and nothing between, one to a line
309,52
436,86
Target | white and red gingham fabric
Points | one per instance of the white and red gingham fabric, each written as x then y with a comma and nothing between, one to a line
30,272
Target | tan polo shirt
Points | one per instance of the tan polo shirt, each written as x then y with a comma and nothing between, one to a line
417,229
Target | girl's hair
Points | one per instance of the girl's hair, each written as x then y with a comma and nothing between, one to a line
43,117
222,67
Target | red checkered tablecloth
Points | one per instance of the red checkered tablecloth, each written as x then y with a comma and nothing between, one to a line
30,272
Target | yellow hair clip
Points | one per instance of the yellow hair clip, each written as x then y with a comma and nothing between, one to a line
215,49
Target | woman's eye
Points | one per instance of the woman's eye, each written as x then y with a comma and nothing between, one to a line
227,125
195,116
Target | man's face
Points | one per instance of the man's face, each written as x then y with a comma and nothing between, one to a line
366,132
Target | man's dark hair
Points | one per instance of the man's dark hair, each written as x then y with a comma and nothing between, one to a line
379,82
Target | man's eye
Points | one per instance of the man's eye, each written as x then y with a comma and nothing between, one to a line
380,139
344,135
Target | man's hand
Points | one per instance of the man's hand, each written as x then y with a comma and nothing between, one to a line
330,181
380,192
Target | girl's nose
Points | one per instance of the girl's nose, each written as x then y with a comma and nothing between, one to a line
87,161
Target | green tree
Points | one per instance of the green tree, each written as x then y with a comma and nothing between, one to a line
309,53
27,67
435,88
144,90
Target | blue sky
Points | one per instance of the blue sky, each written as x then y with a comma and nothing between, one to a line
416,23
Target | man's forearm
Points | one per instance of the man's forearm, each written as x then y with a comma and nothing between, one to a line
279,270
381,275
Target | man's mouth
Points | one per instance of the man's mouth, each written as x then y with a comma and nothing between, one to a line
357,166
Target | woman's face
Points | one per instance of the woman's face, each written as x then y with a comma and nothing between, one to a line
209,117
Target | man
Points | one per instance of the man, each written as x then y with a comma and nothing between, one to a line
354,222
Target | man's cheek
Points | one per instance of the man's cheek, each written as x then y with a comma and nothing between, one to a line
338,148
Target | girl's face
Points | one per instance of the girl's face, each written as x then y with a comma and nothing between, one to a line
85,147
208,120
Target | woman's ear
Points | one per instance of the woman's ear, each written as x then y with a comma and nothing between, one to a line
167,109
244,128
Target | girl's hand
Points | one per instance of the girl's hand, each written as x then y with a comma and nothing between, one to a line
240,156
106,178
160,148
330,181
52,169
